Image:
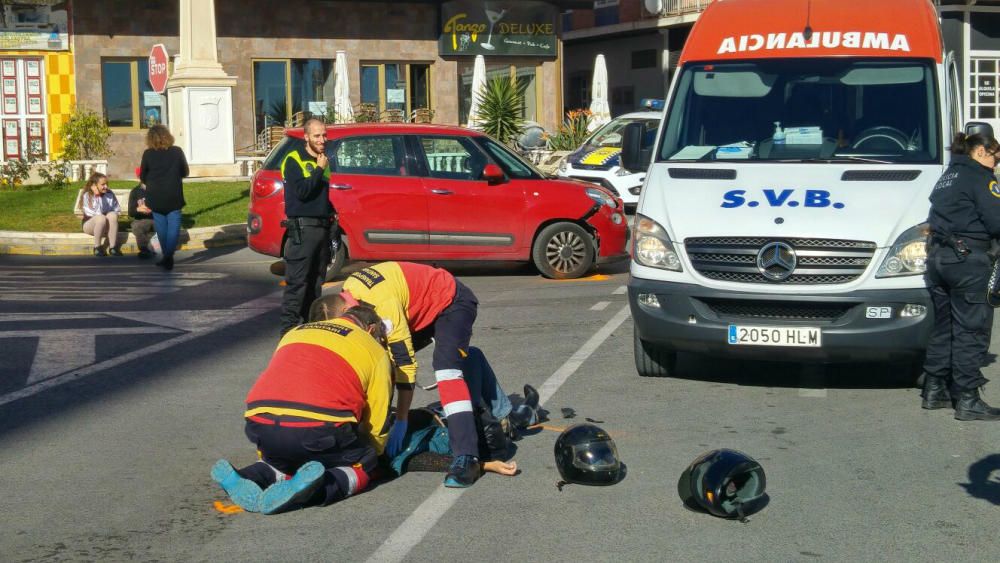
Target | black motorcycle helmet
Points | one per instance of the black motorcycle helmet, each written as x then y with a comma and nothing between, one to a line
725,483
586,455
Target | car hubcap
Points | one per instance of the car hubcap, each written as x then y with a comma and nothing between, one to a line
565,251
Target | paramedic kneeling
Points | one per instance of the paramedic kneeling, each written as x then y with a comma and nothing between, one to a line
318,414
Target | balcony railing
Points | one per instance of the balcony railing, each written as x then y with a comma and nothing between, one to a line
681,7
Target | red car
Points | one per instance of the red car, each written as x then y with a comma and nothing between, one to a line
431,192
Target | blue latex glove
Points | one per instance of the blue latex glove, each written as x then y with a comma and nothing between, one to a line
397,435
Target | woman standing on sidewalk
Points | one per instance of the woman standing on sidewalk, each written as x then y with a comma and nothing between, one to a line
100,214
162,170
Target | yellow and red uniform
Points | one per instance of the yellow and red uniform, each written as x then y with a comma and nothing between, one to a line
408,295
330,371
414,297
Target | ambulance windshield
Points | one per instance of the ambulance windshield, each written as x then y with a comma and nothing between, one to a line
805,110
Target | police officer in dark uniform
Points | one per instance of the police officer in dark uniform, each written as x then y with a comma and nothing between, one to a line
964,218
309,224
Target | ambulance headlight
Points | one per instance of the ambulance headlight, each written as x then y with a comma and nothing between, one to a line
908,255
652,247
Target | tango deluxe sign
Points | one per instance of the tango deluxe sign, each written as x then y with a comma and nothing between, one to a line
470,27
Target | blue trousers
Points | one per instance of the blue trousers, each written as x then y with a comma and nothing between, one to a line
484,389
168,230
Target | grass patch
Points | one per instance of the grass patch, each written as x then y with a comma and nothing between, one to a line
209,204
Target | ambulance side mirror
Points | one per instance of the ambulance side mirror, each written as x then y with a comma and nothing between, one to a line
978,128
632,157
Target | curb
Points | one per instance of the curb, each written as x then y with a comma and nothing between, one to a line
80,244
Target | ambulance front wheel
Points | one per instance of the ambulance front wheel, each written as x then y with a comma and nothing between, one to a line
651,360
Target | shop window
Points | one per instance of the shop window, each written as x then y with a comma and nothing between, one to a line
528,75
578,90
129,101
622,100
397,87
985,31
645,58
983,97
286,87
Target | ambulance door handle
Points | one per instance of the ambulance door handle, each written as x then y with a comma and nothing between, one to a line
342,186
439,191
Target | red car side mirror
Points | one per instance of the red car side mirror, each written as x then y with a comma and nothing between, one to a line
493,174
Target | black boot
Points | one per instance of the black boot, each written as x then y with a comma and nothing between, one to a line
936,395
970,406
530,396
494,442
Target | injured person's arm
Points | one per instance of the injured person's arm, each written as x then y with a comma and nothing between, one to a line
439,463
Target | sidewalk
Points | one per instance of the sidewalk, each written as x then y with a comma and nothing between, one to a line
80,244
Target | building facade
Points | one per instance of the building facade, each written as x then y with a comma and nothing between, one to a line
37,77
402,56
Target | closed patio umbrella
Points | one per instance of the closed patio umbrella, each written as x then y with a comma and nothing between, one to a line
341,91
478,87
599,108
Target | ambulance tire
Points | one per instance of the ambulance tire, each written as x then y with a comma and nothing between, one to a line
563,251
651,360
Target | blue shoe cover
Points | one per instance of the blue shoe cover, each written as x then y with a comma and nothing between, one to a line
244,492
291,493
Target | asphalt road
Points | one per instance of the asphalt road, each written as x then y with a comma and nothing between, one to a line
106,442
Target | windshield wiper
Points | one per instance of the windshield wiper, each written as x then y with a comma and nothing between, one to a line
841,158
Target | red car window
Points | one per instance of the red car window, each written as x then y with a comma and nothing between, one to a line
452,158
376,155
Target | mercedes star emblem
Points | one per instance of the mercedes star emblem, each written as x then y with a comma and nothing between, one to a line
777,261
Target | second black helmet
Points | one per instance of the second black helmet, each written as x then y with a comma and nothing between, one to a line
726,483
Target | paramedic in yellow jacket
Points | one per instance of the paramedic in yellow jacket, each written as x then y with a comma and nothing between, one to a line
423,301
318,414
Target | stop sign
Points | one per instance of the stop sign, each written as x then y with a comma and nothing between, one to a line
158,68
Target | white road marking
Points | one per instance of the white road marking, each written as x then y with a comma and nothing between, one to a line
194,323
416,526
622,290
103,286
60,351
600,306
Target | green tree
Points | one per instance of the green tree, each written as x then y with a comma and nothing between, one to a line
85,136
501,107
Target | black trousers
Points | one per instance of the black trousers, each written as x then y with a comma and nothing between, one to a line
452,331
305,272
963,320
287,448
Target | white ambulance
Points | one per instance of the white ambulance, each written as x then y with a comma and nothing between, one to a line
783,212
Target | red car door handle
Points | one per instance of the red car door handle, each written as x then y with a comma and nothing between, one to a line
440,191
341,186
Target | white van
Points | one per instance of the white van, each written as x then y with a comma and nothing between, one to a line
783,212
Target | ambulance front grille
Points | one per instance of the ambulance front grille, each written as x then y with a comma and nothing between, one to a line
818,261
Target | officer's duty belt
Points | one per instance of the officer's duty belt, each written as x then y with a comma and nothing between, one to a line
311,221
